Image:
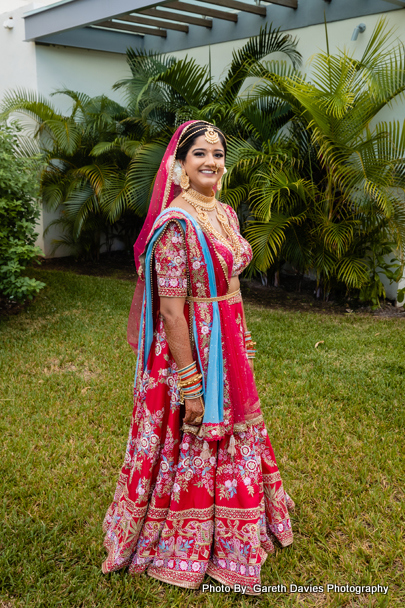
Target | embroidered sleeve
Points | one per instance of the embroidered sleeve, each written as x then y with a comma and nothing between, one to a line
171,263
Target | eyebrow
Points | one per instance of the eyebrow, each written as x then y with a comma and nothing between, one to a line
216,149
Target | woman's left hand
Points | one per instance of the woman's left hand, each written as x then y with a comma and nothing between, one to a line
251,364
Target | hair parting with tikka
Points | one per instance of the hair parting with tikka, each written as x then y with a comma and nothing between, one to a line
212,135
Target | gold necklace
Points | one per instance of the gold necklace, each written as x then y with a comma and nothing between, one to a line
208,203
202,204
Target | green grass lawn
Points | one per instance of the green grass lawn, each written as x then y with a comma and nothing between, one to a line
335,418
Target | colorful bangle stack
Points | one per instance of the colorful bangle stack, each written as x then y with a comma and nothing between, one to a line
190,382
250,345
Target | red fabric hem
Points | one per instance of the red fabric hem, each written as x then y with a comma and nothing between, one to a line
223,577
176,578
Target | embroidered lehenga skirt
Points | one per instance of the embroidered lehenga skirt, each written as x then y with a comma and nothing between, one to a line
186,506
180,516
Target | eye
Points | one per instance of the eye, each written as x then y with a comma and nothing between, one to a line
219,155
198,153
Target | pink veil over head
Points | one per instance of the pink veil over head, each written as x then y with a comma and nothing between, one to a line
164,191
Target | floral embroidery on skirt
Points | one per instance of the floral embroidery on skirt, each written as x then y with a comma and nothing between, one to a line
179,516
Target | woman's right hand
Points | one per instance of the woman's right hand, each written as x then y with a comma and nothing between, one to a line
194,409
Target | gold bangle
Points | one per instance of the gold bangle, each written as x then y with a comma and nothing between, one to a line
189,381
190,397
190,428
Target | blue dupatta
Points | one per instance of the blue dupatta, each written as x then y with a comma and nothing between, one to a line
213,385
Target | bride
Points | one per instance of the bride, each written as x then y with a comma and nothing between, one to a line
200,491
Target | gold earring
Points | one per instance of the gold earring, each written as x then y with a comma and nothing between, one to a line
184,180
219,183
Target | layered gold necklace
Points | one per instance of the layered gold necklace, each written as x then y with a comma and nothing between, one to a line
202,204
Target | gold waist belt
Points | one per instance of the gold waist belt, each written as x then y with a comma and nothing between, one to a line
227,296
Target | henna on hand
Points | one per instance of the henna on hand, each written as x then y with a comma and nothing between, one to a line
194,409
177,335
176,328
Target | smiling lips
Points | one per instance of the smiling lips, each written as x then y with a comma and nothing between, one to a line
211,171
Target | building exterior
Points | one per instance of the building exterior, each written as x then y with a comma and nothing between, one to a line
81,44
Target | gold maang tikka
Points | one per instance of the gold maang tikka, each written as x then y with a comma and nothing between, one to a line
211,136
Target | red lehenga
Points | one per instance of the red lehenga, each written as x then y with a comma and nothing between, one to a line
184,506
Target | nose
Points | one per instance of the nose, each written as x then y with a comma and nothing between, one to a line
213,162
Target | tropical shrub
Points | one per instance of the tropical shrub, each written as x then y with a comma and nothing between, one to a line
326,191
102,158
316,180
18,216
164,92
85,189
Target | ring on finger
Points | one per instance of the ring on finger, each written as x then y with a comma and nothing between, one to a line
198,420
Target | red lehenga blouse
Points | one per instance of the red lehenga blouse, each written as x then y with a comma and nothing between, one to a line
184,506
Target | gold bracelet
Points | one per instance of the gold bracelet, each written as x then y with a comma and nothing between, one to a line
189,382
190,428
195,395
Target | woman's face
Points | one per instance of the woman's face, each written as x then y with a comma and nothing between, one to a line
204,164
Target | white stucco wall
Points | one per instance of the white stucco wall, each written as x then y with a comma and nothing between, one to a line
90,72
18,65
45,68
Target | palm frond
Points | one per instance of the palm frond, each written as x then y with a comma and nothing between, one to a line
27,102
269,40
116,197
186,81
267,239
123,144
141,175
352,271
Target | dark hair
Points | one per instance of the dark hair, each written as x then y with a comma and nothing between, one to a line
191,135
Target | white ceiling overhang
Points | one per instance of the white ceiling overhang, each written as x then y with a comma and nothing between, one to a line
171,25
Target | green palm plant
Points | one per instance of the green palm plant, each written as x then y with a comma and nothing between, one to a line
163,92
340,184
266,177
73,179
100,160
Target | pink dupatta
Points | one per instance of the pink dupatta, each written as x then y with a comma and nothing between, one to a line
164,191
